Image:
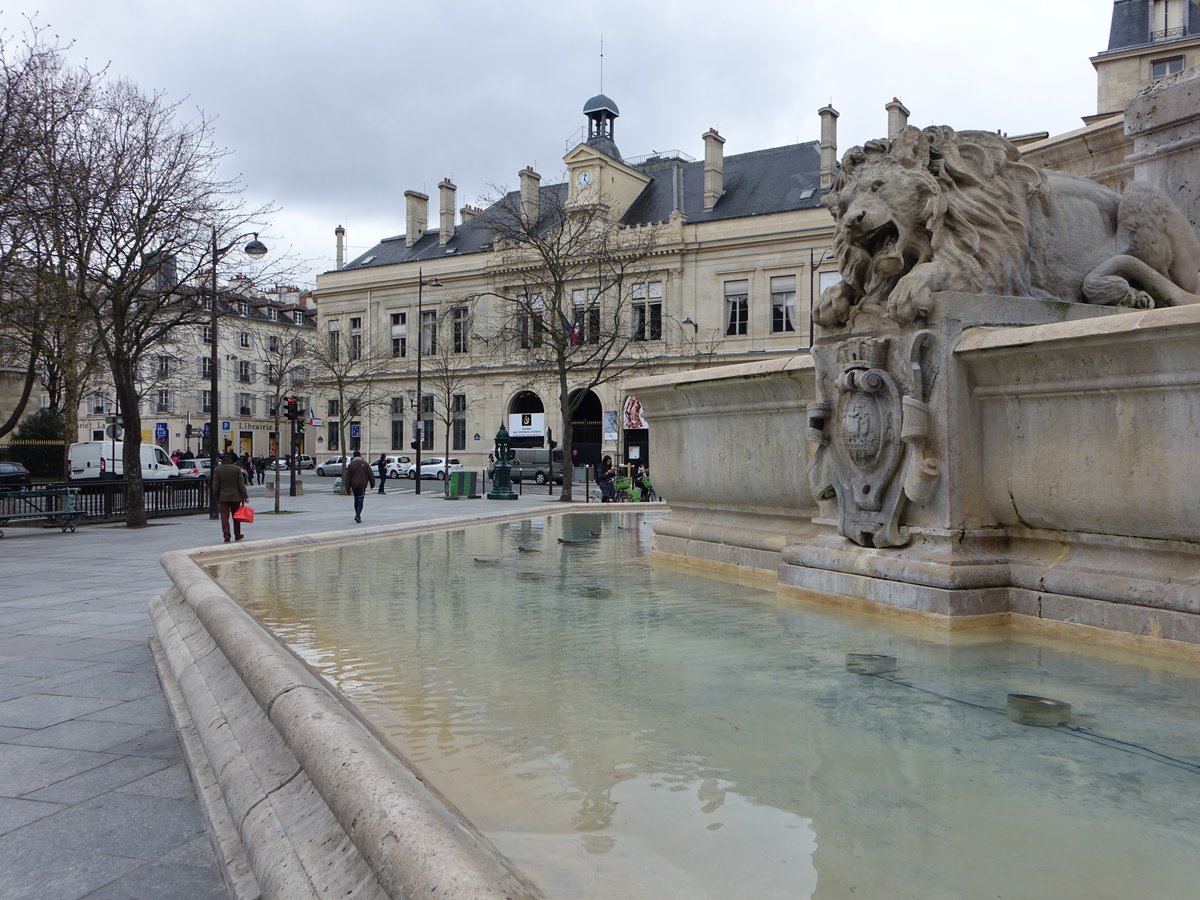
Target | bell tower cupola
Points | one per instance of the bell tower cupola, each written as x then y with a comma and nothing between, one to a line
601,113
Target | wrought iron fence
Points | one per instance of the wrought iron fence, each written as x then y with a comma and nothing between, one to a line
106,501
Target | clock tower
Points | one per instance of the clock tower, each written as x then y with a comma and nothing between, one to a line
597,173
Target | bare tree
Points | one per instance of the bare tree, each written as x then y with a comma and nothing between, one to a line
448,373
285,359
572,306
140,198
348,368
39,98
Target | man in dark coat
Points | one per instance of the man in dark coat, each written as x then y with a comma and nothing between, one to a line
358,476
381,464
230,488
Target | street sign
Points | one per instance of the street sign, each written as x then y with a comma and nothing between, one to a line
160,431
114,431
206,429
225,425
356,430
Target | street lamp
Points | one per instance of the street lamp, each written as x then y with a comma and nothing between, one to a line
254,249
421,282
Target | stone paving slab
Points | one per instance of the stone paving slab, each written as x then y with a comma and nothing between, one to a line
95,798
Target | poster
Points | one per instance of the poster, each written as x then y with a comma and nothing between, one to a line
610,425
633,414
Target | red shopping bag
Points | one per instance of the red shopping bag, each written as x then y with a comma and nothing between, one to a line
244,513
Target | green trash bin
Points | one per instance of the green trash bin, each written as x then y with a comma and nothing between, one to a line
462,484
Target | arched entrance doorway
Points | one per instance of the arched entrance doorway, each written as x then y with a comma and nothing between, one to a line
526,420
587,431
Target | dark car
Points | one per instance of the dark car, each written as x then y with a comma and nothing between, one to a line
14,476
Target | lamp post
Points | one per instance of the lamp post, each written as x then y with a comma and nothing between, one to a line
255,249
814,266
421,282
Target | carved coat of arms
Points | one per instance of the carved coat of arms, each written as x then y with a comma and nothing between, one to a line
871,432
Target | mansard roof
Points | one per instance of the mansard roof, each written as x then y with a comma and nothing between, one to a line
780,179
1131,25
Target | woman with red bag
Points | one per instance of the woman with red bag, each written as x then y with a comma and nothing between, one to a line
230,487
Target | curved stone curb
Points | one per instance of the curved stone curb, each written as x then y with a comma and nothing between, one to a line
322,806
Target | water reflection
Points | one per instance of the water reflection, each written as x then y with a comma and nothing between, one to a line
647,732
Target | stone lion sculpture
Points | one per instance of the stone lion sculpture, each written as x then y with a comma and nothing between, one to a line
937,210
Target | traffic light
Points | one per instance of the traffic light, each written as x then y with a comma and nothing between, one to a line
188,433
289,406
301,420
413,443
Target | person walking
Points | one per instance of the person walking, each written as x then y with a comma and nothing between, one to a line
358,476
381,464
230,487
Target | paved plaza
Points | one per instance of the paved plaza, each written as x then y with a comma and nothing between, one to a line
95,799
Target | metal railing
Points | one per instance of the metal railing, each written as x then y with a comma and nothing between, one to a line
105,501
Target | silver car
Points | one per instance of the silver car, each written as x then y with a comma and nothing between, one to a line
331,466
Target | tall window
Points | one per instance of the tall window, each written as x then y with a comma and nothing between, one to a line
272,373
99,404
332,438
245,371
737,307
206,367
647,311
355,339
164,366
334,408
335,336
272,314
245,405
587,314
461,322
1167,19
428,332
298,316
243,308
164,401
427,421
532,325
206,334
783,303
206,401
398,433
272,343
459,430
244,340
399,336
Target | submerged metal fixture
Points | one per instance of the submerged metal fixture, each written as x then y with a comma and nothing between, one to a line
870,663
1028,709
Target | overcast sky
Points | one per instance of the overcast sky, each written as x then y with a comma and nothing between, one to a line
333,110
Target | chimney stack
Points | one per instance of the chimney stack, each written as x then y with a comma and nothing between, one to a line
416,216
897,118
530,198
446,196
829,117
340,234
468,212
714,168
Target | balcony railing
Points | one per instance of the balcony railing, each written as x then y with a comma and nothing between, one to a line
1167,33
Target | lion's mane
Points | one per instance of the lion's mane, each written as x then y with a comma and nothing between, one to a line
975,214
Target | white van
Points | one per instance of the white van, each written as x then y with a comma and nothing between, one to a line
103,459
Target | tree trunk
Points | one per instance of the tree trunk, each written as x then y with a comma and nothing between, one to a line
135,491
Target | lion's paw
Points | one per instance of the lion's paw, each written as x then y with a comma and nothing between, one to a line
911,298
832,309
1136,299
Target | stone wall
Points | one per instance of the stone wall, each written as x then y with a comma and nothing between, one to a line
1068,488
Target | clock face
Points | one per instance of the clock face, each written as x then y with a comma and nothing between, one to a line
584,178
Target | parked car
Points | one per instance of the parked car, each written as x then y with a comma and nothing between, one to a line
331,466
193,468
397,466
14,476
433,467
303,461
534,462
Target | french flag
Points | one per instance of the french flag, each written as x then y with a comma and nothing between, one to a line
571,332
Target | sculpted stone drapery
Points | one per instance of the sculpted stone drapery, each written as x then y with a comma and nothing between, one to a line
938,210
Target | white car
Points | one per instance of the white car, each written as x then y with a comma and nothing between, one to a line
397,466
433,467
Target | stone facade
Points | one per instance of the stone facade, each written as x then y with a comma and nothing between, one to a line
748,223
